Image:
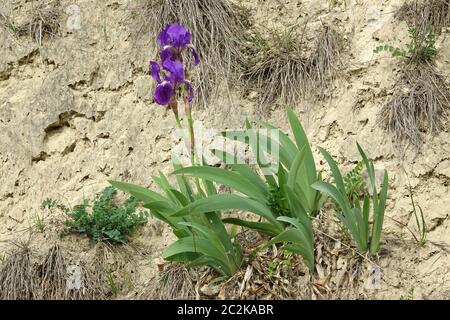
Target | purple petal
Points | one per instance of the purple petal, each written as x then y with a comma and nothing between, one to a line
194,53
155,71
175,35
176,70
167,53
190,89
163,38
163,93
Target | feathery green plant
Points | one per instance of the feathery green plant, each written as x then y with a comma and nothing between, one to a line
421,46
409,296
355,216
50,204
354,182
106,221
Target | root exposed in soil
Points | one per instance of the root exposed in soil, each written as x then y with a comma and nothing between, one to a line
284,70
426,13
42,20
52,273
87,282
51,279
16,276
175,282
323,61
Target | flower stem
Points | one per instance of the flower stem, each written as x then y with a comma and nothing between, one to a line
192,138
180,126
191,130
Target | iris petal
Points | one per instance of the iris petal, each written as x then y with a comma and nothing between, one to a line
163,38
163,93
176,70
174,35
155,71
166,53
194,53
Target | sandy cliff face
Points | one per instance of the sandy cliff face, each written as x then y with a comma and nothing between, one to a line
77,112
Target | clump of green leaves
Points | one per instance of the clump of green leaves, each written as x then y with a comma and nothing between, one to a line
195,217
422,46
282,197
38,221
105,219
356,216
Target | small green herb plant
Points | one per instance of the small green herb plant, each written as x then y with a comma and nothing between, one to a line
421,46
421,224
409,296
354,182
38,221
50,204
105,219
272,267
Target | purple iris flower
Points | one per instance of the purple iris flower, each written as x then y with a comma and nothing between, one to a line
175,38
170,74
174,78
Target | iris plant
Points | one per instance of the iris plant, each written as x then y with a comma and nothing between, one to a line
171,74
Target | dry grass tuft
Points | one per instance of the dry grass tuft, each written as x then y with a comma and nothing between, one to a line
284,70
218,29
55,279
419,106
421,99
52,274
82,284
175,282
44,20
52,278
7,23
323,60
277,67
88,282
425,13
16,276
